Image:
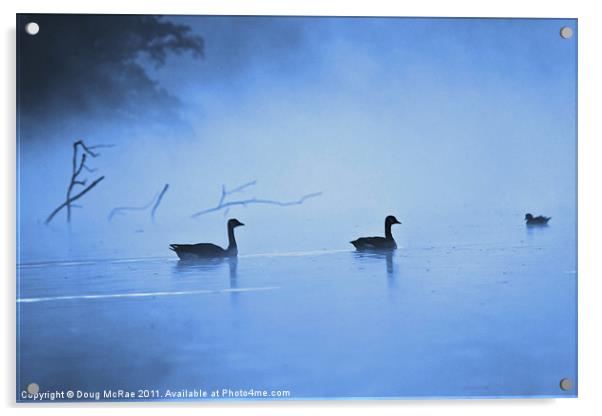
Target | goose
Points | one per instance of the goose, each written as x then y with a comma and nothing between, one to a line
539,220
378,243
208,250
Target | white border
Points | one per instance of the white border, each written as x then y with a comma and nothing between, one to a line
590,190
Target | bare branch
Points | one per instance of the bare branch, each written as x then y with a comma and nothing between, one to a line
101,146
81,166
221,200
76,169
226,205
159,198
85,148
153,202
242,187
70,200
121,210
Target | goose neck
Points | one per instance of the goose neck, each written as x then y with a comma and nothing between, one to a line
388,234
231,239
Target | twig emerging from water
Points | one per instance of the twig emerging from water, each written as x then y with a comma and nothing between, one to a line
78,164
226,205
159,198
232,191
155,202
69,201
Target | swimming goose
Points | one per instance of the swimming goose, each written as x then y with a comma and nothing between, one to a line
207,250
378,243
539,220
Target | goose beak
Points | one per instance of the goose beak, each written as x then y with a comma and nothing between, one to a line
397,222
240,223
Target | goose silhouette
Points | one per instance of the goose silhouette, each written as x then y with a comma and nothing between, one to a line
539,220
208,250
378,243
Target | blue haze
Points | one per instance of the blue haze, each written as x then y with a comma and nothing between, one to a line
423,118
457,126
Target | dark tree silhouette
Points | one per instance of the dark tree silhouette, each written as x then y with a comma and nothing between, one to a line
95,64
155,202
223,205
78,165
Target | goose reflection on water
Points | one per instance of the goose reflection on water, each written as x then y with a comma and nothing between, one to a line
377,256
535,225
200,267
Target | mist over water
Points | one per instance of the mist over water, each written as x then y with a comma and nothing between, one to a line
438,121
458,127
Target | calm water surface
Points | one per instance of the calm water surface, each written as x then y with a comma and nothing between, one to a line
486,312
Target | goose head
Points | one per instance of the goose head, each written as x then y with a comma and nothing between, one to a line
528,217
233,223
390,220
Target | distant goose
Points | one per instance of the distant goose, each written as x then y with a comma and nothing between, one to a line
378,243
207,250
539,220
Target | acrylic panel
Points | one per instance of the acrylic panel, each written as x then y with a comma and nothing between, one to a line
290,208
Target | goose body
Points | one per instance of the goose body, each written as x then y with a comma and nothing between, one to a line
385,243
208,250
539,220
